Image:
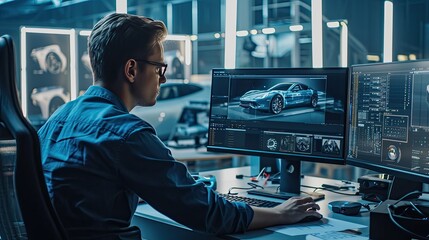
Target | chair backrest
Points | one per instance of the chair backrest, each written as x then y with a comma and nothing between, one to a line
25,208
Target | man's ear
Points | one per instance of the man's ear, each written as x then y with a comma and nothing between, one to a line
130,70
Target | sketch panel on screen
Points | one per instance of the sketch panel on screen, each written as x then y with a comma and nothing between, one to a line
47,70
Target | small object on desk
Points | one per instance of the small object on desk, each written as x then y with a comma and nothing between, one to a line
346,235
342,186
345,207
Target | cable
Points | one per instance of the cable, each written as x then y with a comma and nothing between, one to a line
330,190
392,206
252,186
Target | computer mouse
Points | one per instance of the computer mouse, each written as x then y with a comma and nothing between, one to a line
345,207
310,218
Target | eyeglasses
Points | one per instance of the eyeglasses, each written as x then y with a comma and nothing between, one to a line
161,66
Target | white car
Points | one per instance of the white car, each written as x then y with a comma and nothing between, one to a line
49,99
50,58
173,98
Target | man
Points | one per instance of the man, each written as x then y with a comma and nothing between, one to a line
98,158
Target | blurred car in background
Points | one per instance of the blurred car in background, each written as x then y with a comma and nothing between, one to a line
50,58
49,99
171,101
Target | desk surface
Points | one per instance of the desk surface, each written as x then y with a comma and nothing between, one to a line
152,222
192,154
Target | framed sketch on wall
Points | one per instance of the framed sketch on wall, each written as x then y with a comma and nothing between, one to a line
47,71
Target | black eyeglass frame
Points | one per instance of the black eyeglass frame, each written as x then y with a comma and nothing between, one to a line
163,66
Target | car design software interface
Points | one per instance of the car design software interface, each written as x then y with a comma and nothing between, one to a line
389,122
279,111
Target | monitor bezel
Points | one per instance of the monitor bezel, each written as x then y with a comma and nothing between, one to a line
405,174
309,158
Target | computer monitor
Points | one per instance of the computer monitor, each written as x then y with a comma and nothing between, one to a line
389,122
291,114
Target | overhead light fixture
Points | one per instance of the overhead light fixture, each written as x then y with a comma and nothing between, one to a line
402,57
333,24
84,32
296,28
268,30
412,56
194,37
373,58
217,35
242,33
253,31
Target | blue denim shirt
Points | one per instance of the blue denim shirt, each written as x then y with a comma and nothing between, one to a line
98,158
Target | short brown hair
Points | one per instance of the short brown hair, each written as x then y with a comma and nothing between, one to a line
119,37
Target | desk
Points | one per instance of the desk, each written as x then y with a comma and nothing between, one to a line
156,226
201,154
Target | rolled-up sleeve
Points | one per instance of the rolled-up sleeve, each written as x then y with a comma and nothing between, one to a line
148,168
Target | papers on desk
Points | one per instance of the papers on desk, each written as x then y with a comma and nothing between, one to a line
334,235
322,226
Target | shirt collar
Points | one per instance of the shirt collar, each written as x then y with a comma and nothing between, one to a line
106,94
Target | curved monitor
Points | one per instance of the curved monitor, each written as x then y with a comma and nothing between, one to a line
389,121
297,113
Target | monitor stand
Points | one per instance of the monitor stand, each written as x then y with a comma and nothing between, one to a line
290,182
399,187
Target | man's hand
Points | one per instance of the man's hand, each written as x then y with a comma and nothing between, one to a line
291,211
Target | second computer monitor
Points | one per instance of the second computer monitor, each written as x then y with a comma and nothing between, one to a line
279,112
389,122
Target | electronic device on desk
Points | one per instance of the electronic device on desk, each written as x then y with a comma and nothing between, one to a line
389,133
345,207
292,114
374,187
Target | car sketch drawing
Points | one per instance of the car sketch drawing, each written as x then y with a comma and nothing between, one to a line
48,99
50,59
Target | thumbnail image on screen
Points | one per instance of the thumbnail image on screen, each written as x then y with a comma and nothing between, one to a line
279,111
389,123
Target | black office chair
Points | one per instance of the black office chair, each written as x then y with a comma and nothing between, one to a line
25,208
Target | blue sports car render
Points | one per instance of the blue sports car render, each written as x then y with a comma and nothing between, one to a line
279,96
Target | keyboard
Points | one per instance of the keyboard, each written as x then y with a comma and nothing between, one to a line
250,201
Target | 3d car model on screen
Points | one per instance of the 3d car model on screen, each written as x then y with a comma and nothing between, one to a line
49,99
50,58
280,96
